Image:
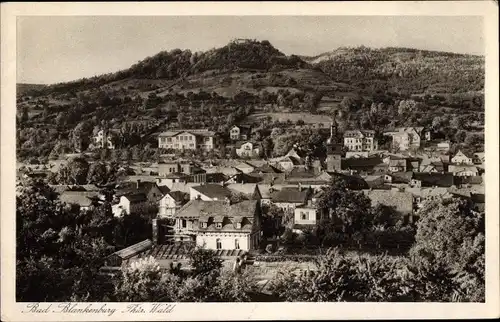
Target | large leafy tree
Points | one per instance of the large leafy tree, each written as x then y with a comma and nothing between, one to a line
348,213
56,259
451,234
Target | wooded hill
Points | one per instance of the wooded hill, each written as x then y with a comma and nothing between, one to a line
363,87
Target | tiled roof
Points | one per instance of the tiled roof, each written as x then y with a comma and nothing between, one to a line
131,188
164,189
266,168
213,190
221,211
401,201
434,179
136,197
292,195
361,163
179,196
358,133
197,132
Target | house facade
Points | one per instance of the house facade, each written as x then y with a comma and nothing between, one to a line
408,137
239,132
220,224
187,140
171,203
360,140
248,149
128,204
461,158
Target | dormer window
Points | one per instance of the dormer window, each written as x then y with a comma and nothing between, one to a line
203,225
238,225
218,225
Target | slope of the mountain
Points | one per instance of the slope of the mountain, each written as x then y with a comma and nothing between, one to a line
403,70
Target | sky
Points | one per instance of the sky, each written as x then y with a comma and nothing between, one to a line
52,49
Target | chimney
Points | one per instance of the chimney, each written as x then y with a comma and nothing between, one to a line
138,183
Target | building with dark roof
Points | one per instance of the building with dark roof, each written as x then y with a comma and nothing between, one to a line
220,224
209,192
422,179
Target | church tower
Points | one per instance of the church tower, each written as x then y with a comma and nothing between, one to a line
333,149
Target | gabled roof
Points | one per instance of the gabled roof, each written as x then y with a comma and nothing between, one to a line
221,211
179,196
460,153
164,189
213,191
434,179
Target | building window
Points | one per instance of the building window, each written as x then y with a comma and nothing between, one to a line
218,243
184,223
303,216
203,225
218,225
191,145
236,243
169,139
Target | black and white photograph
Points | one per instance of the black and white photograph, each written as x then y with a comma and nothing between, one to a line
249,158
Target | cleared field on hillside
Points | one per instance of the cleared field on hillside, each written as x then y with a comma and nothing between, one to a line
293,117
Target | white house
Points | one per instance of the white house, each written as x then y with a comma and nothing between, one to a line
220,224
187,140
463,170
240,132
248,149
171,202
360,140
129,203
408,137
462,158
306,215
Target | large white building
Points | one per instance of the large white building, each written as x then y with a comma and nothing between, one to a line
219,224
360,140
187,140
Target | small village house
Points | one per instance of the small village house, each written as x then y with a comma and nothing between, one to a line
248,149
171,202
240,132
462,158
129,203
